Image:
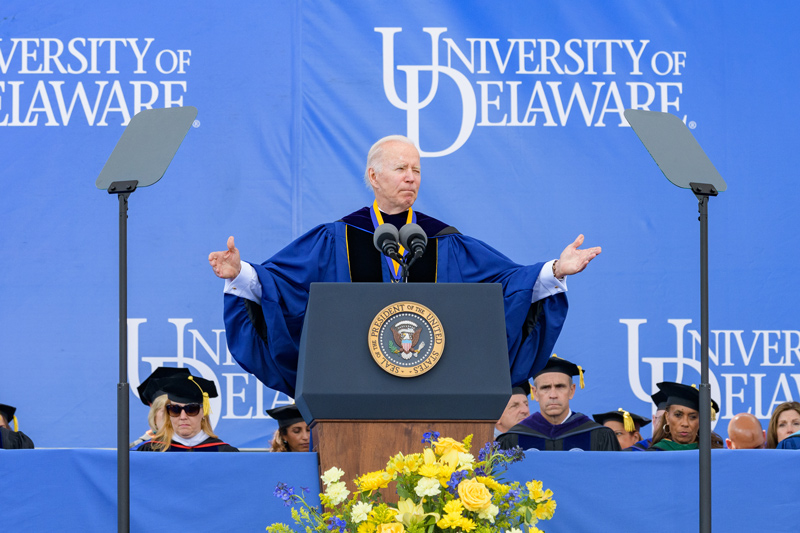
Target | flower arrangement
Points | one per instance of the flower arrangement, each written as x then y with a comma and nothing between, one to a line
442,489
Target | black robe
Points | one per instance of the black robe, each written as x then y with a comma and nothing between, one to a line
14,440
209,445
577,432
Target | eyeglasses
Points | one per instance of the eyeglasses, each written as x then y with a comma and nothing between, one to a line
191,409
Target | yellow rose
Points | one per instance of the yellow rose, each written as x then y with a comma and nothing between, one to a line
391,528
448,449
474,495
446,444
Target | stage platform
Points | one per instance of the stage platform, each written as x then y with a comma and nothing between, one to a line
75,490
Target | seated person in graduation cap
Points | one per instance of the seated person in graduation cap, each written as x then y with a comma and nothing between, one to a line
745,433
265,304
555,426
10,436
681,420
292,434
155,418
186,427
516,410
660,402
625,425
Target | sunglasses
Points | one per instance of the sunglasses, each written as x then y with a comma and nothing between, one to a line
191,409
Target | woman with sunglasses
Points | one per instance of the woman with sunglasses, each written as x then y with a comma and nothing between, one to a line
186,427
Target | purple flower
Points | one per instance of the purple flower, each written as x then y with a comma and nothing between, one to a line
513,496
285,493
515,454
337,524
455,478
489,449
429,436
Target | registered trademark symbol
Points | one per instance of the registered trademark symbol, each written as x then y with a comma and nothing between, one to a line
692,124
196,124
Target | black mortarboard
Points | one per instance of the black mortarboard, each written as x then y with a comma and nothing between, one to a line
186,389
522,388
630,421
286,415
680,394
562,366
660,400
147,396
8,412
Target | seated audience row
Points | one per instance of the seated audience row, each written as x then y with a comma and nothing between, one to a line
179,410
556,427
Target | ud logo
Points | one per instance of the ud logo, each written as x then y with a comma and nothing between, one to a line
406,339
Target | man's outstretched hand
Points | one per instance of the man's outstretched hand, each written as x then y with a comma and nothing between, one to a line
572,259
228,264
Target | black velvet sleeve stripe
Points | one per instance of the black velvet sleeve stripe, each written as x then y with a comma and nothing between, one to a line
256,315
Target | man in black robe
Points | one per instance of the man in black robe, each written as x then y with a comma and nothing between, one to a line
555,427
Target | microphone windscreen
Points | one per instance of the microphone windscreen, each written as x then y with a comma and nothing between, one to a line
410,233
384,233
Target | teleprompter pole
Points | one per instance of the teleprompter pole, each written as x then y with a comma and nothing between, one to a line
703,191
123,189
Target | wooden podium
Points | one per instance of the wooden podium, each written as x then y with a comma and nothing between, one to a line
361,414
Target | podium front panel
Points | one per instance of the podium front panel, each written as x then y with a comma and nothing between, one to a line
338,378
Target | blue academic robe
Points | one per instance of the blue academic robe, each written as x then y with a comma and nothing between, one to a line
264,339
577,432
641,446
792,442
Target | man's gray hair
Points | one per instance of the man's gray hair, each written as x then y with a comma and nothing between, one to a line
375,154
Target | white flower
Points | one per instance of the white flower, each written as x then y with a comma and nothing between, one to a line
337,492
332,476
360,511
489,513
465,460
515,530
427,487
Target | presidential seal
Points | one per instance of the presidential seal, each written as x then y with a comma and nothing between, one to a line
406,339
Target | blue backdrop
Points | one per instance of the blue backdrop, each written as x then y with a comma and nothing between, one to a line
517,107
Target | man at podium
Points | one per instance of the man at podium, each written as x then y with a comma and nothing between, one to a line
265,304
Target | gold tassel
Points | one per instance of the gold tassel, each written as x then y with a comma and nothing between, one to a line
206,402
627,420
580,373
16,425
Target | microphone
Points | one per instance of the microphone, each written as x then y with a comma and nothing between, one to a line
413,238
385,240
